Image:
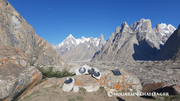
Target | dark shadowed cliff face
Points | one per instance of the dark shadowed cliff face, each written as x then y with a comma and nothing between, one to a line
15,31
171,49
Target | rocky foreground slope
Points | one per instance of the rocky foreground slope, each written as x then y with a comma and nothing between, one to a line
15,31
153,76
17,77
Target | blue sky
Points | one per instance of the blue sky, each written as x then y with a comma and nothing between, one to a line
54,20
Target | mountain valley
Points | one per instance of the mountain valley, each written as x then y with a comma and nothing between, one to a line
132,58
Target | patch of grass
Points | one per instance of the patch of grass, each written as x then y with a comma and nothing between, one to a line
164,98
102,89
80,98
82,91
47,89
128,90
50,73
121,91
172,98
35,92
42,80
56,93
71,99
77,98
28,96
37,95
55,86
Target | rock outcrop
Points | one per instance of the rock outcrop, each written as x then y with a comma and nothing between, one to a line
15,31
153,86
137,42
124,82
162,88
102,42
171,49
16,75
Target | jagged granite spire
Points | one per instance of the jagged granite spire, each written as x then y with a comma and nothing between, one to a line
124,27
139,42
142,25
102,38
101,42
118,29
158,27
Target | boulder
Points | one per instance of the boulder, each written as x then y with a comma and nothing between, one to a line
153,86
16,75
160,87
176,89
125,81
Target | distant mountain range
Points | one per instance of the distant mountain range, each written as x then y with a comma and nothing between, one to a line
137,42
83,49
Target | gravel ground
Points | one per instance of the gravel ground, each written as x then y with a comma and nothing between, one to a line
147,71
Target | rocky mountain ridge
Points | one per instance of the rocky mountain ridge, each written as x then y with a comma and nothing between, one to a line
85,51
137,42
16,32
171,49
70,42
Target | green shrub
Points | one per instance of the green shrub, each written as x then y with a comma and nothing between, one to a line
102,89
50,73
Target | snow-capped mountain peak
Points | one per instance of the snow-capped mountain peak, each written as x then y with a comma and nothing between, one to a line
70,42
166,30
70,36
142,25
83,39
